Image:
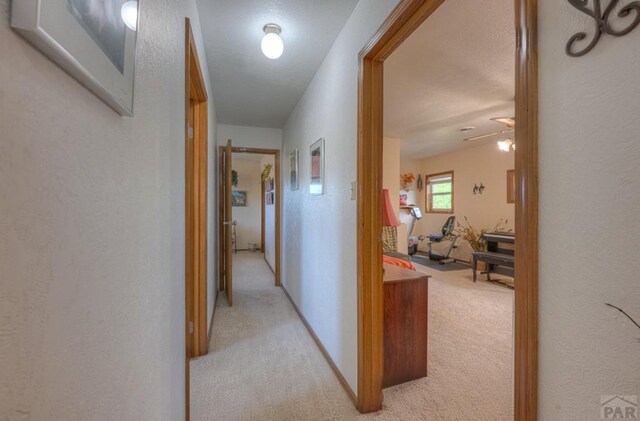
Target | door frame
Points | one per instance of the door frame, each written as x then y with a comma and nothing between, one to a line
401,23
196,207
278,204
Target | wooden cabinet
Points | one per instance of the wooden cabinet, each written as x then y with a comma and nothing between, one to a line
406,295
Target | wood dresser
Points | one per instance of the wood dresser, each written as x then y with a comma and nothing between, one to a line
406,296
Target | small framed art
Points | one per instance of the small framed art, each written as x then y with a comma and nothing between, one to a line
238,198
316,156
293,171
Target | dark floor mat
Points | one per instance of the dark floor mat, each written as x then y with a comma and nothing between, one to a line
424,260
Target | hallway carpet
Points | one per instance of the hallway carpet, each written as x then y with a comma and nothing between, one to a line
263,365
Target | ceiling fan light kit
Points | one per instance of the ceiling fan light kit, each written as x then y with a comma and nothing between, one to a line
504,145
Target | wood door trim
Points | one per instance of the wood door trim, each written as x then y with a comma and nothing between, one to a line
405,18
278,200
262,214
228,216
196,212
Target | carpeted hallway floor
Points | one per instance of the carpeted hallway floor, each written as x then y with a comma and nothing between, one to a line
263,365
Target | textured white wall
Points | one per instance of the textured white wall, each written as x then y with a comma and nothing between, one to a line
248,217
270,214
92,229
319,232
589,220
250,137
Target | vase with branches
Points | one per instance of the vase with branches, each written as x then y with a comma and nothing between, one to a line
473,235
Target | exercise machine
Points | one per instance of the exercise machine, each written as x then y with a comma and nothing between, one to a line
446,234
416,213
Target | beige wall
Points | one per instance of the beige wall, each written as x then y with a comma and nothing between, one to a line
391,182
484,164
92,245
248,217
391,171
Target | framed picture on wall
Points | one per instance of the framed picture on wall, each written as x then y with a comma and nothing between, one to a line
93,40
316,164
238,198
293,171
511,186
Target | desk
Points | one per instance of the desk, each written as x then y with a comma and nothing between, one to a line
406,296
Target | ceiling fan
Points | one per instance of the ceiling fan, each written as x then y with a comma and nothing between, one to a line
509,122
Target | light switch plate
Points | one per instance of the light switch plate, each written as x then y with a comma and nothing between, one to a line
354,189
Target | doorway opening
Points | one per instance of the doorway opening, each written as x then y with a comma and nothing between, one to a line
251,187
403,21
196,212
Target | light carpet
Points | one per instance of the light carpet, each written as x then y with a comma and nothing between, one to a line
264,365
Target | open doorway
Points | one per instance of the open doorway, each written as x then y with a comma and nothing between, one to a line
249,209
402,23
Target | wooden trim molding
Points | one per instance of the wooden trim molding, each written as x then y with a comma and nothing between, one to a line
526,215
406,17
322,349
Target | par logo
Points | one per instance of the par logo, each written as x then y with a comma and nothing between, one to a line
617,407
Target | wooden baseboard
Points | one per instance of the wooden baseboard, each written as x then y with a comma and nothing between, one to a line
268,264
323,350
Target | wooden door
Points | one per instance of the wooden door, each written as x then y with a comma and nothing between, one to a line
226,220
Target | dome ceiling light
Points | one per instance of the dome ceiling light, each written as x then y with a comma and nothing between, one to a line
272,45
129,14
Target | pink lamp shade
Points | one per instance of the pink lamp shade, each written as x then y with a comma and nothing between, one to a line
389,218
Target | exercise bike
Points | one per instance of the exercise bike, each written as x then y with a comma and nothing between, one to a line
446,234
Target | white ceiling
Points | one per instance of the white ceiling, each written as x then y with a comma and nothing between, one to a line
248,88
456,70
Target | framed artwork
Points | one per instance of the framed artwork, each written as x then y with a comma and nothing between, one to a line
270,198
293,165
511,186
238,198
270,184
93,40
316,155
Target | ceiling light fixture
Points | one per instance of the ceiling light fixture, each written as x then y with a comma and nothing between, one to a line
506,145
272,45
129,14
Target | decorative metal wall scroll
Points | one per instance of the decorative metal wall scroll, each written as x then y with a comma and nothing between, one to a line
602,22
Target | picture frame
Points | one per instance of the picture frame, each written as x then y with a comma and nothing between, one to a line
270,184
294,182
316,167
511,186
238,198
89,39
270,198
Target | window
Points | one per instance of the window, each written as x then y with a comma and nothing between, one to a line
440,193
